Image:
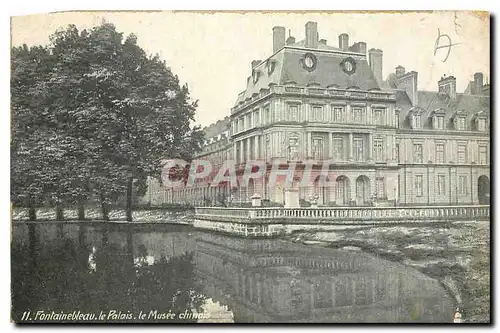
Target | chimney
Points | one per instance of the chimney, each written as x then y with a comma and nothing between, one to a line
344,42
279,34
448,85
322,41
408,82
312,35
255,63
359,47
478,83
375,58
400,71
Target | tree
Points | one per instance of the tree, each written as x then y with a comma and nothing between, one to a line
107,113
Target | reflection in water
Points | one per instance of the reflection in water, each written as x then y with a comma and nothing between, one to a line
129,269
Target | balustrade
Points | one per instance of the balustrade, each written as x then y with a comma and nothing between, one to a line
347,213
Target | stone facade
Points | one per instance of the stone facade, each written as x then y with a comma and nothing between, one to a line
386,141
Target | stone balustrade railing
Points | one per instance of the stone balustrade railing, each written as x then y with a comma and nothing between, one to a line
321,214
342,93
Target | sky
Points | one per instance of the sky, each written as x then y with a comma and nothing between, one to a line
212,52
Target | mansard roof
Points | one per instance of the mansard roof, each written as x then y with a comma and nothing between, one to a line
327,71
429,101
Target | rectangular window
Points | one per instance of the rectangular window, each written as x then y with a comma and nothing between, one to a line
293,113
419,182
249,121
462,153
238,153
338,149
317,113
293,149
318,148
440,153
417,153
251,148
267,116
461,123
481,124
245,151
397,153
417,121
256,118
378,150
483,155
337,115
380,187
357,115
378,114
440,122
397,120
241,124
358,149
462,185
441,185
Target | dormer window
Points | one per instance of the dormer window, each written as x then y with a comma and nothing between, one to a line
255,76
481,124
460,120
481,121
415,115
461,123
439,122
417,121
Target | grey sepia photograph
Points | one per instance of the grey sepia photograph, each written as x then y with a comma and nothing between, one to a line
250,167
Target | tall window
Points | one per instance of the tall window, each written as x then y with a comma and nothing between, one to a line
293,112
417,153
238,153
440,153
462,153
462,185
380,187
397,120
338,149
317,113
251,148
441,185
419,183
481,124
417,121
268,147
337,114
318,148
378,150
241,124
378,114
357,115
440,122
358,149
256,120
249,121
461,123
483,155
293,149
245,150
267,116
397,153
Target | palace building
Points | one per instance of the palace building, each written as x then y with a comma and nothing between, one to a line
387,142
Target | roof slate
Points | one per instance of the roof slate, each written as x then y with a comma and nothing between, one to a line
328,71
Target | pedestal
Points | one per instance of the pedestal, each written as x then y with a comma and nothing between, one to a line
292,198
256,200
